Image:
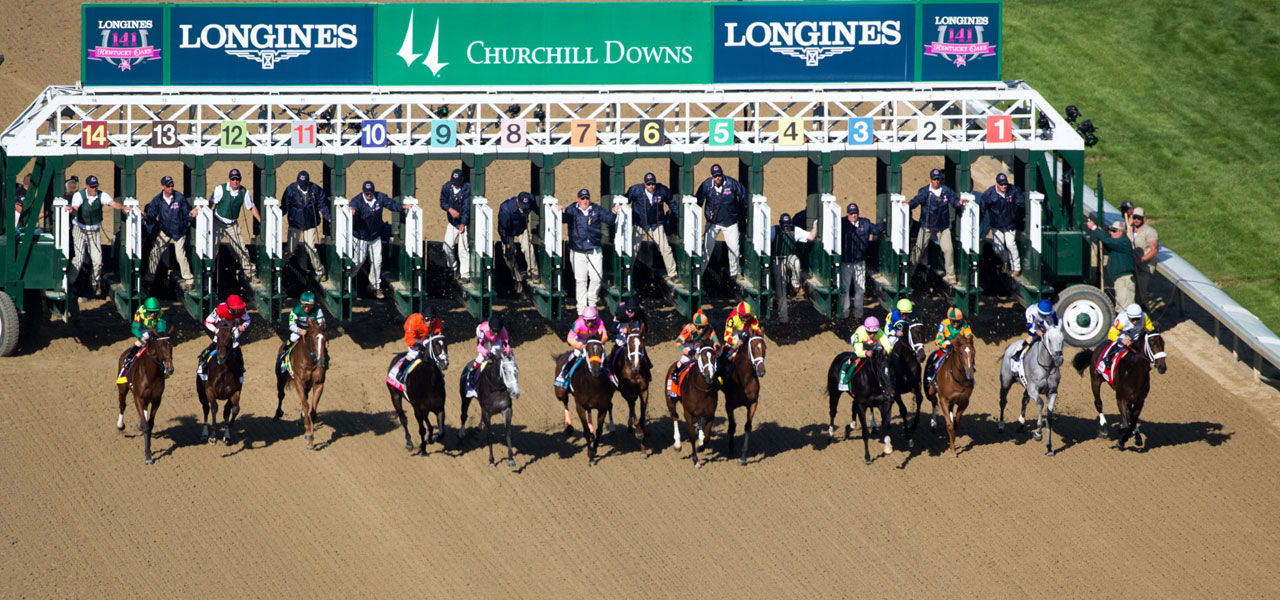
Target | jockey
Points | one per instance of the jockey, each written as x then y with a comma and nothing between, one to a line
895,323
950,327
299,319
1041,317
588,327
741,320
146,319
232,311
864,342
1126,329
693,336
628,312
488,333
418,328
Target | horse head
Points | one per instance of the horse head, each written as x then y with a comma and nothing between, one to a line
1053,342
915,340
705,358
595,356
755,351
222,341
965,353
635,346
161,350
438,349
316,339
1153,348
507,368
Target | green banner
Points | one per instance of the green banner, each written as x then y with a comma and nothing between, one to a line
542,44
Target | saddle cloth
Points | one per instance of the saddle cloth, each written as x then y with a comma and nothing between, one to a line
846,379
677,380
126,373
391,375
1108,370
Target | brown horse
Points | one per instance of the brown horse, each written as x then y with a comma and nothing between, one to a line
424,389
221,383
631,367
307,358
742,387
953,385
592,390
698,396
147,382
1132,382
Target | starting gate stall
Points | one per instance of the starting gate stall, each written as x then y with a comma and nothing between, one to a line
408,287
268,290
546,233
967,248
756,267
893,276
479,292
618,247
202,298
126,291
339,258
823,285
688,253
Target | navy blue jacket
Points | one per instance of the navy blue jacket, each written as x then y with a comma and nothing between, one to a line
511,220
1002,213
304,209
367,223
727,207
936,214
854,239
650,215
174,221
584,229
460,202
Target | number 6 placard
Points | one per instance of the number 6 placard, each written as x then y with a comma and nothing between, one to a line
514,134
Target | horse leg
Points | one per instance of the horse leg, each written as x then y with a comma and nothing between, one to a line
1048,422
145,426
563,396
204,407
462,419
639,424
308,425
1022,414
746,433
229,412
506,421
693,436
860,414
123,392
675,420
1095,381
439,425
948,415
423,419
397,403
1004,399
1133,414
282,379
886,413
733,428
1126,424
586,434
317,390
1026,397
488,434
833,398
906,423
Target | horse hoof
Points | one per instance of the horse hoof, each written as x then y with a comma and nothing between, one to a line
150,462
204,439
1038,436
279,413
742,462
591,463
911,443
1049,453
1000,427
868,462
645,453
1137,440
568,429
492,465
226,440
408,447
697,465
511,464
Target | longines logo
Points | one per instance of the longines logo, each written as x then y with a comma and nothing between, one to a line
813,41
268,45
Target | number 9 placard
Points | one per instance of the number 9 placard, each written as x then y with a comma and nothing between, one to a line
444,133
514,133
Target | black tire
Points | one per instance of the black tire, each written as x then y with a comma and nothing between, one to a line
9,326
1087,314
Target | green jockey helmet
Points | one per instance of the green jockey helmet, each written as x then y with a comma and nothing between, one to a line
307,298
152,305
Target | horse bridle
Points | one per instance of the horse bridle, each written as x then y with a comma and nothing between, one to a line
159,363
707,365
634,355
1146,347
595,359
967,379
911,339
444,352
756,361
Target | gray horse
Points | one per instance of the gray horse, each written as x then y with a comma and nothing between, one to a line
1040,377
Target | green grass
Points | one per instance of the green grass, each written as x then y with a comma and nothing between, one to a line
1186,98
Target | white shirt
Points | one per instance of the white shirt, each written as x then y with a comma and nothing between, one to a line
217,197
78,199
802,236
649,195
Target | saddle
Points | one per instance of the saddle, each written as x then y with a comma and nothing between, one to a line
1107,369
470,374
848,370
396,382
677,379
936,359
126,372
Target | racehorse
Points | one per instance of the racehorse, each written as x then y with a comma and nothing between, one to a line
1040,376
221,383
497,384
592,390
634,376
742,387
698,397
147,382
1132,381
307,359
870,387
953,385
424,389
905,360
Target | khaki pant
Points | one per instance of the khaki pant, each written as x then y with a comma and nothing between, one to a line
1142,278
307,238
460,257
944,240
730,242
1124,291
852,276
530,257
231,231
86,244
659,235
1007,241
587,270
163,241
372,251
791,271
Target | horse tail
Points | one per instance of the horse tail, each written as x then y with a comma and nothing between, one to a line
1081,360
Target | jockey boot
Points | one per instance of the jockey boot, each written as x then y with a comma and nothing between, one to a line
673,391
204,359
133,354
283,352
1017,354
472,377
562,380
403,372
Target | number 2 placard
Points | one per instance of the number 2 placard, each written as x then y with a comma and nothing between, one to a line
304,134
514,133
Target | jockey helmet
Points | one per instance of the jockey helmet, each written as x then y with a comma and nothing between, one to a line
152,305
700,320
429,312
1045,307
905,306
744,310
590,314
307,298
496,325
1133,311
954,314
235,303
871,324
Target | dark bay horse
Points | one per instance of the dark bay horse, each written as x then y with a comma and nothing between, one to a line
307,358
147,382
631,367
222,383
497,384
698,396
906,358
871,387
424,389
742,387
592,390
953,385
1132,381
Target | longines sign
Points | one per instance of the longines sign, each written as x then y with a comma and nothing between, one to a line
488,45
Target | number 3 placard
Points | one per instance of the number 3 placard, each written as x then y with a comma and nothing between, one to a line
514,134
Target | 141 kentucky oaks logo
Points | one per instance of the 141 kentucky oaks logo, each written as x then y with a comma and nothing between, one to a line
125,43
960,40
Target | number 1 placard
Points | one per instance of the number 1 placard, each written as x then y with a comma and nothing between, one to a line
514,133
303,135
1000,129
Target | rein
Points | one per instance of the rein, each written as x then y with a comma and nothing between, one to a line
443,356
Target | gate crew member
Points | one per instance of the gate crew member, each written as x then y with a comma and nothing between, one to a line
935,222
168,209
367,227
1119,251
304,202
1146,248
455,199
651,208
785,238
584,218
1002,203
86,208
855,237
723,201
227,201
513,227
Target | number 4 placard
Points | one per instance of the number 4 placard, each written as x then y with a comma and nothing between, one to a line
1000,129
514,133
790,132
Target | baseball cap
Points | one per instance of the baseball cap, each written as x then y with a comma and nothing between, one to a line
716,170
91,181
785,219
584,193
1117,225
1138,212
935,174
368,187
166,180
649,178
304,176
234,174
1002,179
456,176
524,198
852,209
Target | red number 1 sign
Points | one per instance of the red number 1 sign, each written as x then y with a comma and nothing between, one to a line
999,129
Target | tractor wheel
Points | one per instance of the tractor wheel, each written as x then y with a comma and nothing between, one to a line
8,325
1086,314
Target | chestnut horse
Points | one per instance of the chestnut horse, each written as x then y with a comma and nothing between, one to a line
592,390
221,383
742,387
1132,381
307,358
147,382
631,367
953,385
698,396
424,389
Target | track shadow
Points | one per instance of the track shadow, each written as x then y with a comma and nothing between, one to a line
768,440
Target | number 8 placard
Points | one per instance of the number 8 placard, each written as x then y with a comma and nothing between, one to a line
514,134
